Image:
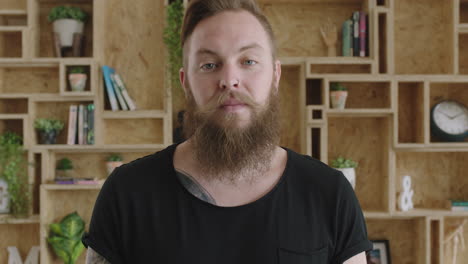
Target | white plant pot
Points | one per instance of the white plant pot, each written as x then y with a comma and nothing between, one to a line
77,81
350,174
111,165
66,28
338,99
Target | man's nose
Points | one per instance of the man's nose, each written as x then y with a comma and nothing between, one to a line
229,77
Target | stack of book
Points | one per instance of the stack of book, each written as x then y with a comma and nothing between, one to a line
459,205
82,181
117,93
355,35
81,125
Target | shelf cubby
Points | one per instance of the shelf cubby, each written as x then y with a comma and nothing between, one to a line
331,68
463,53
13,4
12,125
90,164
13,18
315,90
299,23
23,236
451,225
292,102
45,41
145,131
430,34
410,115
56,204
13,105
436,177
365,94
440,91
29,79
65,88
56,109
316,135
365,140
382,34
407,238
11,43
463,12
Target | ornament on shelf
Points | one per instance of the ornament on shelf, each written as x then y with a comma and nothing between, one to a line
4,197
15,258
405,201
456,237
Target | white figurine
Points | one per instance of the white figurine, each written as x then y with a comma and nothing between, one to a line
15,258
405,201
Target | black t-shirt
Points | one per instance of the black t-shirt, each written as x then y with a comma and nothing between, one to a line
143,214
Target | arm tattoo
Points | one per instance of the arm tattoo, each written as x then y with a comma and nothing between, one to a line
92,257
194,187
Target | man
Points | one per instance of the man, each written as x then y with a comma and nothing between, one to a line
229,194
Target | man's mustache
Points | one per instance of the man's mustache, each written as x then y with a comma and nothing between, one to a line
219,100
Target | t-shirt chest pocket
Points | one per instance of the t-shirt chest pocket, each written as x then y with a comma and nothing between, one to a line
288,256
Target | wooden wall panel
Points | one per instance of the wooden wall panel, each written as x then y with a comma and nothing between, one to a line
22,236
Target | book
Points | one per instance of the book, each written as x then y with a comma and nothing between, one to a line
356,34
123,89
123,104
80,124
72,125
459,208
362,34
90,135
347,33
106,72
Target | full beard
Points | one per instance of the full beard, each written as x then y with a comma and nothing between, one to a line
229,153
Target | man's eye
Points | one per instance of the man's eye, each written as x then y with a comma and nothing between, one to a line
209,66
250,62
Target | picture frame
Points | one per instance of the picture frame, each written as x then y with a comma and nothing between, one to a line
380,254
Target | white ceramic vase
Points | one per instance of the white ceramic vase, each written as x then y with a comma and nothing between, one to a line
350,174
66,28
338,99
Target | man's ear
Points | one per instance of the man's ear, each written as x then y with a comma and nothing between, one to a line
182,77
277,73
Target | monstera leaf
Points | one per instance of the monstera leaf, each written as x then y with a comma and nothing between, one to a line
65,238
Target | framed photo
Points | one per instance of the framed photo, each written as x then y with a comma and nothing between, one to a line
380,254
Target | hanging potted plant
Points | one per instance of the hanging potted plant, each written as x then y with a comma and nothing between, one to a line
338,95
64,167
77,78
113,161
48,129
67,20
348,167
13,172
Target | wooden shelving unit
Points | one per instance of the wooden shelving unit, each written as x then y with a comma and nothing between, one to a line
418,56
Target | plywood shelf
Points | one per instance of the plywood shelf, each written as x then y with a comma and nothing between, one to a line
71,187
9,219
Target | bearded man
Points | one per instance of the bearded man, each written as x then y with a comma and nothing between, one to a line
229,193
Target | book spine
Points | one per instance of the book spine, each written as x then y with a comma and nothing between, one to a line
106,71
346,32
72,125
85,125
460,208
356,33
131,103
362,34
118,92
90,136
80,124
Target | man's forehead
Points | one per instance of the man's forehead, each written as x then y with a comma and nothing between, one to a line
203,50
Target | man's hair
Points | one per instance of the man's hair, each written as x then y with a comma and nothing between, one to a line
199,10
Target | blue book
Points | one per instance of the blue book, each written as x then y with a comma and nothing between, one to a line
107,71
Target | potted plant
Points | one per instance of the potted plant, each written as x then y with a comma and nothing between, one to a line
113,161
64,166
13,171
77,78
67,20
48,129
347,166
65,237
338,95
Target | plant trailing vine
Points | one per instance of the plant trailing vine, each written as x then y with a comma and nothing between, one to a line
172,31
13,169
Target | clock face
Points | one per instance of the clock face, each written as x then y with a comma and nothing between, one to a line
451,117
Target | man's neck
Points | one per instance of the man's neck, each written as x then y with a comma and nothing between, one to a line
244,190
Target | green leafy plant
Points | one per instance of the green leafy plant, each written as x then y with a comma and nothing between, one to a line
172,31
65,237
48,125
114,157
70,12
13,169
337,87
77,69
64,164
341,163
